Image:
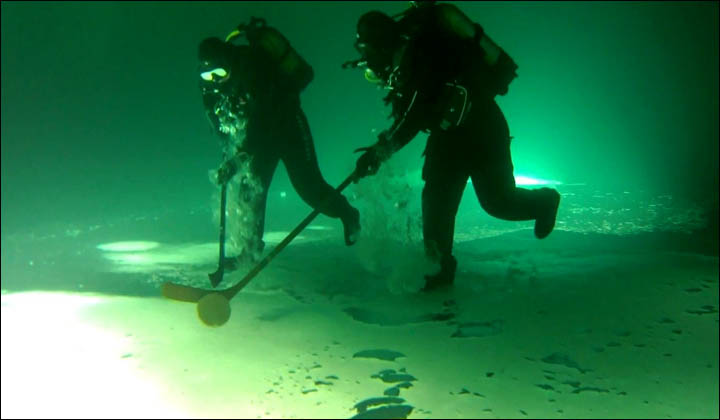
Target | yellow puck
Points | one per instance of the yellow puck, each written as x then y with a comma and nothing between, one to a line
213,309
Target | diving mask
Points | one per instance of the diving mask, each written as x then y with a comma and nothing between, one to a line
218,74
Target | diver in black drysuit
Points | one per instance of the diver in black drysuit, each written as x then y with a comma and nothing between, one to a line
432,60
241,83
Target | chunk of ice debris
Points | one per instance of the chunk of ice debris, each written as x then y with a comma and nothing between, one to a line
478,329
321,382
363,405
395,377
393,391
590,388
564,360
381,354
386,412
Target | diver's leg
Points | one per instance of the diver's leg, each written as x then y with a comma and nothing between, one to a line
494,182
300,160
254,180
262,168
445,181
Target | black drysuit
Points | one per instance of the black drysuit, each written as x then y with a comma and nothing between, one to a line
277,129
478,148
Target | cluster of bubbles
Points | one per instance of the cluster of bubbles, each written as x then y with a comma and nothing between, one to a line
245,190
391,245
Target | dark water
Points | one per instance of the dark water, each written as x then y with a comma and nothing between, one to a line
101,115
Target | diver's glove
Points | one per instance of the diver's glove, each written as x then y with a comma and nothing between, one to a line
369,163
227,170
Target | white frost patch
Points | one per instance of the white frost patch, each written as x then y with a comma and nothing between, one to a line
277,237
54,364
162,257
319,227
129,246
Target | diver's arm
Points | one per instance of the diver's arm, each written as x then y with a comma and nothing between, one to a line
419,83
230,167
215,123
391,140
406,127
209,100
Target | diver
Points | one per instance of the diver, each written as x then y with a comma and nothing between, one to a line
251,94
442,73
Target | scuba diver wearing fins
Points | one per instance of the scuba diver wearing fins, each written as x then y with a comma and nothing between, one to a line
251,95
442,73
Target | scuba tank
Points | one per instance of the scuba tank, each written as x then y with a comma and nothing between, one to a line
502,69
291,66
450,20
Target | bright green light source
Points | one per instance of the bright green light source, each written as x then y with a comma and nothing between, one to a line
131,246
526,180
